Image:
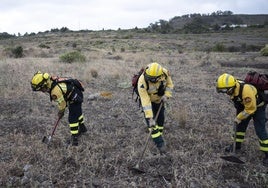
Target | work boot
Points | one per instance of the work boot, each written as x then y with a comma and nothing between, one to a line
162,148
82,129
74,140
265,160
229,148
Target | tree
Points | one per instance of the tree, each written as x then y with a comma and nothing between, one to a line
196,26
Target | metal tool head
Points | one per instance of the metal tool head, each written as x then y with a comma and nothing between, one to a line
46,140
137,169
233,159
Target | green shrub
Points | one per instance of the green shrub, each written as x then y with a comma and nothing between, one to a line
43,46
71,57
254,48
74,45
219,47
233,49
94,73
17,52
264,51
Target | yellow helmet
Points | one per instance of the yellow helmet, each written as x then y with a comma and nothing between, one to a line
153,72
225,82
39,80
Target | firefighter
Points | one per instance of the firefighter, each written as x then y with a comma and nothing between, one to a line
155,86
64,93
248,106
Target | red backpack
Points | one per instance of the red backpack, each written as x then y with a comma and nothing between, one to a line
260,81
135,79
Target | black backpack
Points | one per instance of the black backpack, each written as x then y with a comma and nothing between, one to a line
72,83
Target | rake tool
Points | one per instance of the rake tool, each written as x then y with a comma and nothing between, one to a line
232,158
137,168
47,140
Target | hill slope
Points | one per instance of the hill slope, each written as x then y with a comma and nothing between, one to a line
238,19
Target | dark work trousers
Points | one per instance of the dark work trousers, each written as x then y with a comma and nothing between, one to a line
75,111
159,127
259,121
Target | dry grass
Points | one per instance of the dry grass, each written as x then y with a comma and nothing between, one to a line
197,123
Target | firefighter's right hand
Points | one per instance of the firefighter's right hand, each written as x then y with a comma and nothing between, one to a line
61,114
151,123
164,98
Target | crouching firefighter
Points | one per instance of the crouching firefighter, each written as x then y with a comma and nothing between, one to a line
248,106
155,87
66,92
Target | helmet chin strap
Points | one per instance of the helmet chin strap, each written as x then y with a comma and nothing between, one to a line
230,91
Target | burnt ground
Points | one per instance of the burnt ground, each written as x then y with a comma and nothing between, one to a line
197,128
115,138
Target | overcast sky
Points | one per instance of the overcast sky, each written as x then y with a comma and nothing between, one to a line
21,16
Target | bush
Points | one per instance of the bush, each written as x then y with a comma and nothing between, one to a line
43,46
219,47
71,57
17,52
94,73
264,51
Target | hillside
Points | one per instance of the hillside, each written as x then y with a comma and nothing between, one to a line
198,123
237,19
215,22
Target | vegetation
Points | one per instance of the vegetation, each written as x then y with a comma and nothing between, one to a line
14,52
219,21
5,35
71,57
17,52
264,51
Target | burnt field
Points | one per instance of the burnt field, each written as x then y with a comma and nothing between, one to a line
198,120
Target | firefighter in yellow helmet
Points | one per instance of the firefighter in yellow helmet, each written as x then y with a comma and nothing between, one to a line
65,93
155,86
248,106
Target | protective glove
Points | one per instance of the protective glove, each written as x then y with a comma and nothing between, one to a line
237,121
60,114
164,98
151,123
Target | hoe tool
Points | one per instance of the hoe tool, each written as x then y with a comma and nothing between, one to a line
137,168
47,140
232,158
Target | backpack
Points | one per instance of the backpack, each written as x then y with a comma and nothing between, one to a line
135,80
72,83
260,81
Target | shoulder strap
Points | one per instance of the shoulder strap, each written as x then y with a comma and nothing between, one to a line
241,90
56,82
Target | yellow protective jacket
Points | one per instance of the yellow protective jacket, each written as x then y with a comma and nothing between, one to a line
248,100
57,95
148,93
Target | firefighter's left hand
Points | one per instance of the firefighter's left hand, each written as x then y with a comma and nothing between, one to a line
237,121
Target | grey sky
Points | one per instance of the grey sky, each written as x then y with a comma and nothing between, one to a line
20,16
